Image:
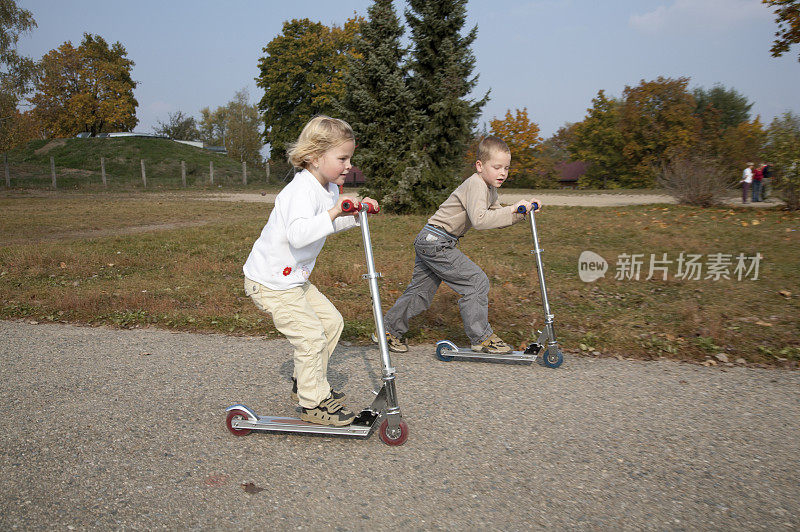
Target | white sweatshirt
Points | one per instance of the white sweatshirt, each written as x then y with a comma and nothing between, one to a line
747,175
285,253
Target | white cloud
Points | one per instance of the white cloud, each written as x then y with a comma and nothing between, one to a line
707,15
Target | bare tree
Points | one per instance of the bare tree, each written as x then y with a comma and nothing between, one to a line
178,126
695,180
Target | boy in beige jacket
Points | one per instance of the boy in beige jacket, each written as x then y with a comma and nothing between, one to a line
473,204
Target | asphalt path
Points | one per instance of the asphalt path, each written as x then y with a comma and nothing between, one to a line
108,429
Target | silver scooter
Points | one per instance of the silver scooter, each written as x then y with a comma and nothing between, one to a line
551,357
393,430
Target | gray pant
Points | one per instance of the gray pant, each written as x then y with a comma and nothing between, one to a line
438,259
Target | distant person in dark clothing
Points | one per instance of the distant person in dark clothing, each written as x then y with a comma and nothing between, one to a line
766,182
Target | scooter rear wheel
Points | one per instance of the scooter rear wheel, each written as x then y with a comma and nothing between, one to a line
398,438
236,414
552,357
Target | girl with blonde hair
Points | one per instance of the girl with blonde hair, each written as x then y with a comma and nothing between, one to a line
277,271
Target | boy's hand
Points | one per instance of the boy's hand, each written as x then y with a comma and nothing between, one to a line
522,203
528,205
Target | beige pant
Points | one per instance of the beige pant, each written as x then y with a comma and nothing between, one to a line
311,324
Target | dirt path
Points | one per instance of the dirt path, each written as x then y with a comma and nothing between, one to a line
124,429
101,233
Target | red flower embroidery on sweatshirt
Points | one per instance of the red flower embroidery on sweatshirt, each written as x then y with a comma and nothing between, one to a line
287,270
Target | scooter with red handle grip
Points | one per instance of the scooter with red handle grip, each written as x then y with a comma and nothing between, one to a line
551,357
241,420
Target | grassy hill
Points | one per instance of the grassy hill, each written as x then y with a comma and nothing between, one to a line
77,164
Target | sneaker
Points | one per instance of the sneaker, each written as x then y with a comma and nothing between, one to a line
395,344
493,345
336,394
328,412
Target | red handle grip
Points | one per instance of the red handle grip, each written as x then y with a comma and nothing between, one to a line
350,206
372,209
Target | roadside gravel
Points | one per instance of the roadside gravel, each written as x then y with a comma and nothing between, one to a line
109,429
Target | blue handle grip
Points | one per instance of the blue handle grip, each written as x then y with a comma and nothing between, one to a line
521,208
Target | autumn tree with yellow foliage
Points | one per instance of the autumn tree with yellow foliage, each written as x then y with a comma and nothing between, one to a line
787,16
88,88
522,137
628,140
16,75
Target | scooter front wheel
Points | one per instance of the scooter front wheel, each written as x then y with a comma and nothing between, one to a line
236,414
552,357
442,347
397,436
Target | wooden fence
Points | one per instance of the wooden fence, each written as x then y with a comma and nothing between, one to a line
31,176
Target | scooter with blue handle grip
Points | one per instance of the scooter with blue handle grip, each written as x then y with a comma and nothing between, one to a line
545,348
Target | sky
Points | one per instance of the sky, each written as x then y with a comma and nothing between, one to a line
549,56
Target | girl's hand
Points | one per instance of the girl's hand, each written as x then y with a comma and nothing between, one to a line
374,203
337,209
538,203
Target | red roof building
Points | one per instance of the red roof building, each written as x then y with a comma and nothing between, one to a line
570,172
355,177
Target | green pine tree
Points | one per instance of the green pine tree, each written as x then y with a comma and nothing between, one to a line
377,102
441,82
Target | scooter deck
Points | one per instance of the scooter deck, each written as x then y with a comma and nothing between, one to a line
361,427
447,351
514,356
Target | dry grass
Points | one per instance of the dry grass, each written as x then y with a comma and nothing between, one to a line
131,260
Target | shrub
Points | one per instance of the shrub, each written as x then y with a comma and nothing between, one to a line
787,183
783,152
695,180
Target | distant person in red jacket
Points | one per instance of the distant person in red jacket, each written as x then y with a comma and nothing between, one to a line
758,175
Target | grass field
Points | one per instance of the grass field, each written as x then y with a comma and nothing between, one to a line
174,260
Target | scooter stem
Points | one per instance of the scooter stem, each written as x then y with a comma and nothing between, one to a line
388,370
542,288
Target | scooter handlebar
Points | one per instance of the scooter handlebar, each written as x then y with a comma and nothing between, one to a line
372,209
350,206
522,210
